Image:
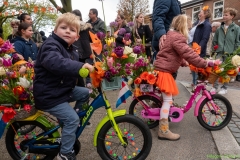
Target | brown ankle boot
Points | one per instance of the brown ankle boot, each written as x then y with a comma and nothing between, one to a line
164,133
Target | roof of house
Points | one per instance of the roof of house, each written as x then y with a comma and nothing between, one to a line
190,3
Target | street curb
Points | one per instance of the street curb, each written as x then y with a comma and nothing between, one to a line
227,145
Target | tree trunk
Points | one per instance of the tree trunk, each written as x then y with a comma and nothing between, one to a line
67,5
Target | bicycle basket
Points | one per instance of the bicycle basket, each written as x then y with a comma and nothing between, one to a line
115,84
22,114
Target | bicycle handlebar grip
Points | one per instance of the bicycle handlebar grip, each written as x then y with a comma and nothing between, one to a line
83,72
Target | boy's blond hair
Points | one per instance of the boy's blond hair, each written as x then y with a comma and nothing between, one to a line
180,24
232,11
70,19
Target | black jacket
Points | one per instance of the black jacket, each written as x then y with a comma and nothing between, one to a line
120,37
144,30
83,43
56,72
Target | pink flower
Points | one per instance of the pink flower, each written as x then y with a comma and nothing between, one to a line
217,62
110,61
7,62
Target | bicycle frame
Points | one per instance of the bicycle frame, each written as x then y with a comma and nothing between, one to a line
98,102
154,113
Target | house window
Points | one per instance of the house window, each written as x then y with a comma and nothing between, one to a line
218,10
195,12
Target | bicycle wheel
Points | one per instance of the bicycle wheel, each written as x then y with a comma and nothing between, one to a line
215,119
150,101
15,142
136,134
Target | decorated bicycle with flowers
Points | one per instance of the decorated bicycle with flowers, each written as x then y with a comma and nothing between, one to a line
36,135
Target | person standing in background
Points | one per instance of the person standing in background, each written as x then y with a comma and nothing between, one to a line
36,36
140,31
98,25
227,39
163,13
14,25
215,26
199,34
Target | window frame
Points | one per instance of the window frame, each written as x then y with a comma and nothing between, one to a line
193,12
217,8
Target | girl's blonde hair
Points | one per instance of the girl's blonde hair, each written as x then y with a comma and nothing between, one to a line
180,24
70,19
136,24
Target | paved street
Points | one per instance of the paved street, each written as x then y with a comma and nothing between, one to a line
195,143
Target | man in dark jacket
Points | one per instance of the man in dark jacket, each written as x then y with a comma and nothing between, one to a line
163,13
97,24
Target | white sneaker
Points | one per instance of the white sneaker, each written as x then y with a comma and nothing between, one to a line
189,85
222,91
213,90
232,80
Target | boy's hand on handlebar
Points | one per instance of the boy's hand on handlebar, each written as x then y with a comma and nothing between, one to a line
88,66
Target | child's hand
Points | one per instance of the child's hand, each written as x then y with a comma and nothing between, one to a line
88,66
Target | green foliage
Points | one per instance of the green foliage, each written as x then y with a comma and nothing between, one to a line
7,30
130,8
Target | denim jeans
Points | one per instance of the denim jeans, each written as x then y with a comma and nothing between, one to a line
66,114
195,77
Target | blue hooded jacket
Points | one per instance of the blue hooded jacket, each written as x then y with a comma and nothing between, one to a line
25,48
163,13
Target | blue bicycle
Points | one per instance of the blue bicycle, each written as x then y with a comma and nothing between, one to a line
117,137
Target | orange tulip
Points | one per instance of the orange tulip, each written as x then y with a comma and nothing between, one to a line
208,69
144,75
138,80
151,79
137,92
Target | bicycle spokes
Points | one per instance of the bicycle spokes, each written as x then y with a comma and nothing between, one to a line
133,139
22,138
214,117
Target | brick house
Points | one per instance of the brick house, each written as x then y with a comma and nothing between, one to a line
193,7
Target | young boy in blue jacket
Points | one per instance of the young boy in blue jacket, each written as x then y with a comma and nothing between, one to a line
56,72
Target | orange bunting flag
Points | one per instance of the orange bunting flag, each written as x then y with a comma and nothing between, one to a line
35,9
43,9
5,3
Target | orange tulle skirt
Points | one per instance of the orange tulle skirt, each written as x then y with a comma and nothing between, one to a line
166,83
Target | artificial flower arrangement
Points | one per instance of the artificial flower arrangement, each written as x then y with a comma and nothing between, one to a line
16,83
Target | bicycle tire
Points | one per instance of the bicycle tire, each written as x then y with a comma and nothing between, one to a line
146,97
129,119
224,122
9,140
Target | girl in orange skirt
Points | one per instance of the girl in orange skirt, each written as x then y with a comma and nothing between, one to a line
174,53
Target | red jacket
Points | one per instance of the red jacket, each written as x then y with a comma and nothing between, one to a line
174,52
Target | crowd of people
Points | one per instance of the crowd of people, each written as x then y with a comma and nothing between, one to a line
58,62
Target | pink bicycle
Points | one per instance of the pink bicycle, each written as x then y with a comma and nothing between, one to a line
213,111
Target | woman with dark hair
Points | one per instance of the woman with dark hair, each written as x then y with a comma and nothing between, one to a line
36,36
23,43
119,36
